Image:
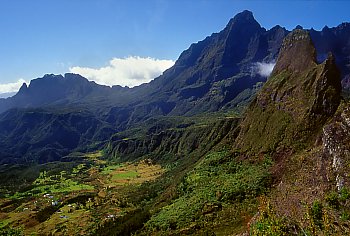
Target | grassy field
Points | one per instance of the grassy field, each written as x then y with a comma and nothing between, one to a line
74,201
131,173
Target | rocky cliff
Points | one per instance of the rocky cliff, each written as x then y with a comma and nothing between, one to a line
295,102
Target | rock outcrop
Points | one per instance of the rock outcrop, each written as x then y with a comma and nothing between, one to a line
336,146
295,102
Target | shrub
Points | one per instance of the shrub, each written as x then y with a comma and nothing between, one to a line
9,231
332,200
316,213
125,225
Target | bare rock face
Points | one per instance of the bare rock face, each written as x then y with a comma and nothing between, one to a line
336,146
295,102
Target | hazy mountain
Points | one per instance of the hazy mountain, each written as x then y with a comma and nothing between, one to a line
70,90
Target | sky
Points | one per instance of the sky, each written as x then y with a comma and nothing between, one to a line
128,42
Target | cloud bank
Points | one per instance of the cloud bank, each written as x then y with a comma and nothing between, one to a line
130,71
11,87
263,69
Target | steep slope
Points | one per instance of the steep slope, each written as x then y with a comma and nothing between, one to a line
37,135
297,119
214,74
175,138
295,102
218,72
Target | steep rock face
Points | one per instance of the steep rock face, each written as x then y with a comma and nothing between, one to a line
336,146
295,102
212,74
337,41
297,53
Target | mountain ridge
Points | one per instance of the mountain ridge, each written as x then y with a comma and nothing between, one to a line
296,101
213,75
176,156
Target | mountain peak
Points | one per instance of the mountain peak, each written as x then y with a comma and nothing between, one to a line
247,15
243,17
23,88
297,44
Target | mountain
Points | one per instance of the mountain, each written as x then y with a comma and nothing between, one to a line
70,90
222,73
337,41
180,155
41,136
299,97
300,120
217,73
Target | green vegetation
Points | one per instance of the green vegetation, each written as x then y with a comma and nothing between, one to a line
268,223
330,218
109,169
316,213
125,175
9,231
54,184
215,183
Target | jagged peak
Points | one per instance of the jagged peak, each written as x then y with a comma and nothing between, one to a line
297,53
277,27
325,28
344,25
23,88
299,27
242,18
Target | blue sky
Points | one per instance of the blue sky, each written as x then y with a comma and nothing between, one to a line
48,36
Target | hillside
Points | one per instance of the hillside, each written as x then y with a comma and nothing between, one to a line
211,147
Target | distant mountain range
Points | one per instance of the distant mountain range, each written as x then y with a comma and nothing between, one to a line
221,73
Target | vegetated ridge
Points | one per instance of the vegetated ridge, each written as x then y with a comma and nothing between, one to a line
279,168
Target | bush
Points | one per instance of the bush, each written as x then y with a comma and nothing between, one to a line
332,200
268,223
344,194
316,213
9,231
125,225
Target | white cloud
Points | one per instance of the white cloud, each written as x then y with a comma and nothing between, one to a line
130,71
11,87
263,69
